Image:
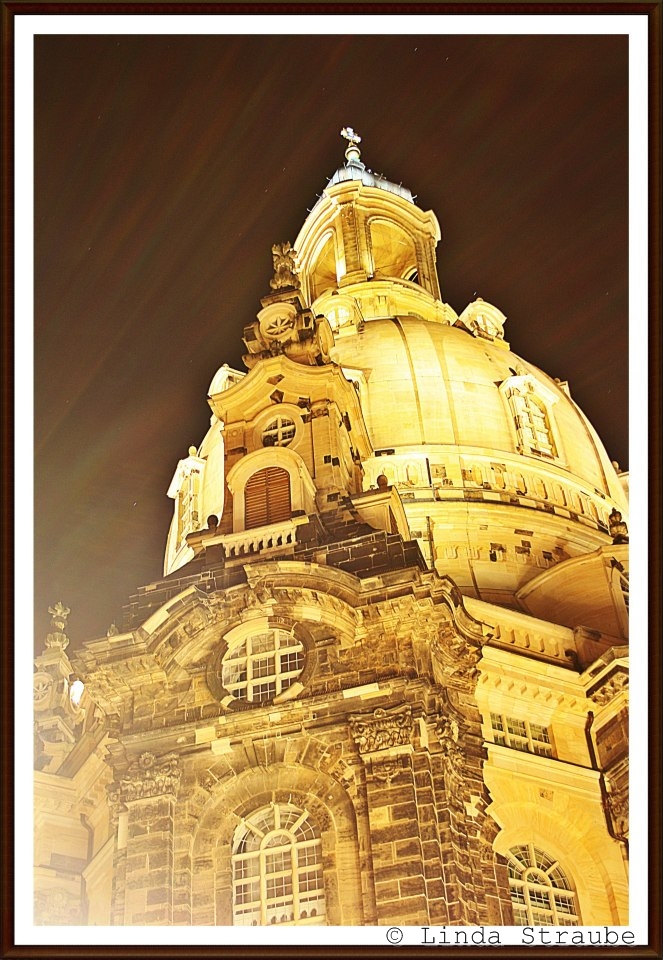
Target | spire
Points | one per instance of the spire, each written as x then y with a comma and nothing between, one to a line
352,153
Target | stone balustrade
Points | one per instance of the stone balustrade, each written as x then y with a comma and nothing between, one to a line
261,540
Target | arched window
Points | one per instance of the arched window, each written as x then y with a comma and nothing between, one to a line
277,869
532,424
267,497
530,404
541,893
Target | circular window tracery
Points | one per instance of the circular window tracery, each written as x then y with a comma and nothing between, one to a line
263,666
279,432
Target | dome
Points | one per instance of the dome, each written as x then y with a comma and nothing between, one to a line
435,387
500,475
355,170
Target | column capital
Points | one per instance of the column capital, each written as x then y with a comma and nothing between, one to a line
147,777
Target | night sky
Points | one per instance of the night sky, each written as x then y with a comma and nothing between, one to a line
165,168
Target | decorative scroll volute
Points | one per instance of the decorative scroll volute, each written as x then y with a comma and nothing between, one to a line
617,804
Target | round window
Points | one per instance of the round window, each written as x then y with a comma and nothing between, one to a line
278,433
262,666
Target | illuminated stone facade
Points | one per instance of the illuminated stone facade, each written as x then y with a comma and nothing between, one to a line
383,679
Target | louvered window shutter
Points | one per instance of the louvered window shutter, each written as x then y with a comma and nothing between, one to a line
267,497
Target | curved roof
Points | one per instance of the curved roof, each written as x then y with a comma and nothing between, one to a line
435,385
356,170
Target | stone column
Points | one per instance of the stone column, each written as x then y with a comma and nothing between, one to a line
143,803
354,270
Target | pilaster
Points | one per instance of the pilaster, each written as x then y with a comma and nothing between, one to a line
385,740
143,803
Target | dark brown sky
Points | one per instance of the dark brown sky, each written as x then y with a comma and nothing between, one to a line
167,166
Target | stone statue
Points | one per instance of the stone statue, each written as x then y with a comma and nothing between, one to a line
285,276
618,529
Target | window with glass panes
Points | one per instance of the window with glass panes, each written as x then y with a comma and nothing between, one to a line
541,893
521,735
262,666
532,423
277,869
278,433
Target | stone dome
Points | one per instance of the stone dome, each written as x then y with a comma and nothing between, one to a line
433,387
501,474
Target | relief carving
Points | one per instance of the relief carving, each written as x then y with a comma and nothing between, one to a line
382,729
610,688
617,804
285,276
448,733
386,772
41,688
147,777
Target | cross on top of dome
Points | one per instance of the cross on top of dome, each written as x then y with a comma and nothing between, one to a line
352,152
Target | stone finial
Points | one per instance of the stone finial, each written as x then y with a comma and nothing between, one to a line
57,637
618,529
59,614
285,275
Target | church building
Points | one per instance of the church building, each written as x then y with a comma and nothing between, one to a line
383,678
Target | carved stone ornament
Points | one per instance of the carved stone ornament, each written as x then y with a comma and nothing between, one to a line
57,907
387,771
617,804
610,688
285,276
382,729
41,686
448,732
147,777
58,638
455,654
